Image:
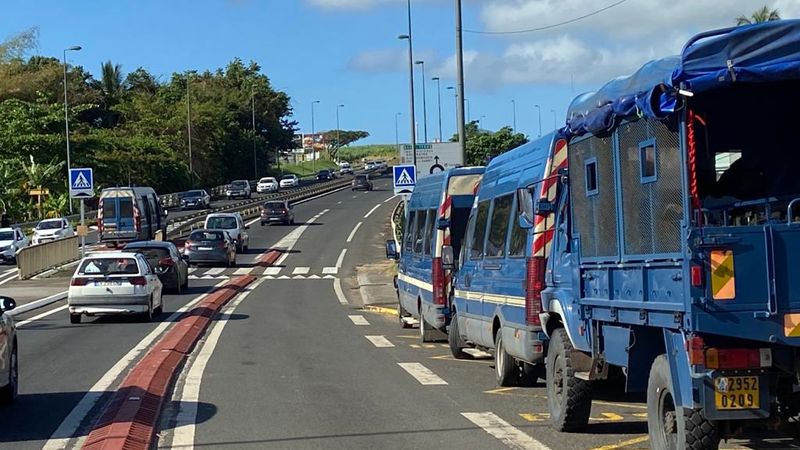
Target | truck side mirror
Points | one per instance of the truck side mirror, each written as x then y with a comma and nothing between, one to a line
525,208
391,250
448,260
443,223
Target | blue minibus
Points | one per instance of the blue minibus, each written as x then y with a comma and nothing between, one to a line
128,214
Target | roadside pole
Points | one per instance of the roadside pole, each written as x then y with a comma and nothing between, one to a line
83,228
81,186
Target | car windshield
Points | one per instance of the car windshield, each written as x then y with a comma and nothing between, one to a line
109,266
49,225
239,184
288,177
198,236
323,172
222,223
6,235
193,194
274,206
267,180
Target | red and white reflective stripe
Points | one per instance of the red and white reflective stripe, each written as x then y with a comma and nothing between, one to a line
544,225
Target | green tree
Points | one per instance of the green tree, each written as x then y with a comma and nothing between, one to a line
342,139
482,145
763,14
18,45
111,83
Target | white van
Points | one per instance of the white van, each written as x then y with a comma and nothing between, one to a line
234,225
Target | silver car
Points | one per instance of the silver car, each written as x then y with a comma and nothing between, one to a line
9,368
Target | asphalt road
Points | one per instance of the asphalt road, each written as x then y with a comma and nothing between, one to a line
293,364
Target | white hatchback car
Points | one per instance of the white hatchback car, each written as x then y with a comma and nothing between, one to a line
234,225
290,181
111,283
49,230
12,240
267,185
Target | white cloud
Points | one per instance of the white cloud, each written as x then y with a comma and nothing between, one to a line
362,4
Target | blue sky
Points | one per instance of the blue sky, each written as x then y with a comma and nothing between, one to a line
347,52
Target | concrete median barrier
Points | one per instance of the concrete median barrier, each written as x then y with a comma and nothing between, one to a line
35,259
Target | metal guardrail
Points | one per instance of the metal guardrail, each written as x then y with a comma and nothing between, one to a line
35,259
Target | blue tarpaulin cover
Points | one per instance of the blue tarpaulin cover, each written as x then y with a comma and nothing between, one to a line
759,53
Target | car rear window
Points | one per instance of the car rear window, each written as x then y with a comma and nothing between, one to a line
109,208
274,206
361,177
152,254
205,236
125,207
109,266
222,223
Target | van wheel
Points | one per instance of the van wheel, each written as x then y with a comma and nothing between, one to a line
8,393
569,399
668,428
506,370
74,318
454,339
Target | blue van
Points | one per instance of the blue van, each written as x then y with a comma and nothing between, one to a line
128,214
496,306
436,218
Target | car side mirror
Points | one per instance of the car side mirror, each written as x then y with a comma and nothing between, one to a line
448,259
7,304
525,208
443,223
391,250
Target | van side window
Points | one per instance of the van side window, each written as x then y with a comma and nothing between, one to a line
519,237
430,231
476,247
419,232
409,238
496,244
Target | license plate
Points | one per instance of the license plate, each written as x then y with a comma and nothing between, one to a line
108,283
736,393
205,249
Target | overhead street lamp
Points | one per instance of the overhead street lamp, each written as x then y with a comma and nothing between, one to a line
439,103
337,126
397,131
539,108
313,137
412,130
424,102
74,48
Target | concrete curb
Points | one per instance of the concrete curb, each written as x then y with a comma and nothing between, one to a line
130,418
36,304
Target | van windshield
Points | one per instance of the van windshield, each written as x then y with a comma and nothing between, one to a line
221,223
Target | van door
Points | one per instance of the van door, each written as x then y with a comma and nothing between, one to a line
476,283
405,264
147,229
498,286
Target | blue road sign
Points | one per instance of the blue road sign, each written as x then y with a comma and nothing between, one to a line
81,183
405,178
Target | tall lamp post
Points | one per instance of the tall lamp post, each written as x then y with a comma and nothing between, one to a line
424,102
313,137
439,103
455,97
397,131
462,133
74,48
514,108
539,108
189,127
337,126
253,107
412,130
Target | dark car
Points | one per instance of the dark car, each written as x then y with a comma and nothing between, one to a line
163,256
277,212
210,247
362,183
198,199
325,175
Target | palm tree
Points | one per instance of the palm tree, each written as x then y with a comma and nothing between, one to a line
764,14
111,82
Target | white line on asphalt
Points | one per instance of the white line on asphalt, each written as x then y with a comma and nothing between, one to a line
272,270
339,202
22,309
337,288
422,374
253,221
61,437
379,341
243,271
41,316
215,271
358,320
505,432
189,397
320,195
301,270
290,240
353,233
390,199
330,270
355,196
372,210
341,258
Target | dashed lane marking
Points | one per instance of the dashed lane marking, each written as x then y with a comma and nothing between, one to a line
330,270
243,271
623,444
301,270
214,271
340,260
372,210
379,341
504,431
422,374
358,320
272,270
353,233
337,288
390,199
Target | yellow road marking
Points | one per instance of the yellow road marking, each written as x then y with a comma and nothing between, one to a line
415,346
640,415
608,417
501,391
409,336
623,405
428,346
533,417
628,443
381,310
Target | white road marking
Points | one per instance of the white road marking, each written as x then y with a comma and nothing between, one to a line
192,269
243,271
330,270
61,437
190,394
379,341
42,315
290,240
8,276
355,196
390,199
341,258
505,432
272,270
339,202
301,270
215,271
257,219
353,233
372,210
358,320
422,374
337,288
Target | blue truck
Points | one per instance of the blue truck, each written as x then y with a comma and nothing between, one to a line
676,241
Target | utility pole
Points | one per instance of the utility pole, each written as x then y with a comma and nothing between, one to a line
397,131
439,103
189,128
539,108
462,133
424,102
412,129
74,48
313,137
514,107
253,104
337,127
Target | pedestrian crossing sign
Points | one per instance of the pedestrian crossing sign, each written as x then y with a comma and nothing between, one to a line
405,178
81,183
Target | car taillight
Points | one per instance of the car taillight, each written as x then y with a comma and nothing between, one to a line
137,281
696,349
78,282
734,358
137,219
168,262
438,282
696,274
534,285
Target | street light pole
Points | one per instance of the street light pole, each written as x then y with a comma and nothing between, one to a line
189,128
469,115
313,137
424,102
539,108
253,104
412,129
514,107
439,103
397,131
462,133
74,48
337,126
455,97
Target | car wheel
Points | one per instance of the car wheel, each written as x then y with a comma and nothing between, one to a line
148,316
160,310
569,399
506,370
8,393
74,318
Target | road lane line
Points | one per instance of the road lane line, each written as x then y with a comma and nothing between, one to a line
353,233
379,341
358,320
330,270
215,271
36,304
290,240
504,431
41,316
337,288
243,271
189,397
372,210
623,444
6,277
69,426
272,270
341,258
422,374
390,198
301,270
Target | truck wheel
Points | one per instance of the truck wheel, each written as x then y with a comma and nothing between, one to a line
506,370
455,340
8,393
569,399
668,428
